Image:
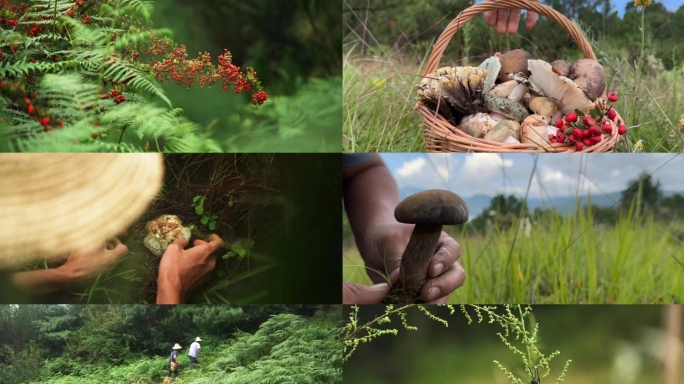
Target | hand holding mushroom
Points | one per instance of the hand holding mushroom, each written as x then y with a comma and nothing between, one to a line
182,271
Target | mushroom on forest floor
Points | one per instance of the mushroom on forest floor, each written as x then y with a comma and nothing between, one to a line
429,211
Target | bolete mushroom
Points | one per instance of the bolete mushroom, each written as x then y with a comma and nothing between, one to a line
514,61
561,67
429,211
567,94
543,106
589,75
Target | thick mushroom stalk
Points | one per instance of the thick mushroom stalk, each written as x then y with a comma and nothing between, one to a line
429,211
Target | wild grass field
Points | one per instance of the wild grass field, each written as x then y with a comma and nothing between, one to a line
526,246
380,74
565,261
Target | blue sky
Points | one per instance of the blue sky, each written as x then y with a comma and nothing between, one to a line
557,174
620,5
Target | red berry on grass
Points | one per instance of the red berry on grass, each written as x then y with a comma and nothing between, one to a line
613,97
621,130
611,114
29,109
27,101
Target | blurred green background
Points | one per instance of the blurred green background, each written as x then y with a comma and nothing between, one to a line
608,344
295,47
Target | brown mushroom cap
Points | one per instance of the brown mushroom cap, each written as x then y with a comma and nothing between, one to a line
589,75
432,207
514,61
561,67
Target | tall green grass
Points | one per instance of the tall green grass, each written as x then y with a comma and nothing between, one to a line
565,260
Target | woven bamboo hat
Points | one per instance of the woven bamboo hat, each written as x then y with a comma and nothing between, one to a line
177,346
52,204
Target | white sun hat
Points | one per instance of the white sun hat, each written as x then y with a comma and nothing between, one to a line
198,339
177,346
52,204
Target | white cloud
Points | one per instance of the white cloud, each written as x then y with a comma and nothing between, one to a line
481,167
411,167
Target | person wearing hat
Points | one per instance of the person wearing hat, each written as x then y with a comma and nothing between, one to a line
194,351
173,361
71,207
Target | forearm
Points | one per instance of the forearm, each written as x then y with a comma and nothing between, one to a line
40,282
167,293
370,196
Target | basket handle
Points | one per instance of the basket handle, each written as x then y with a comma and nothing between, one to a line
492,5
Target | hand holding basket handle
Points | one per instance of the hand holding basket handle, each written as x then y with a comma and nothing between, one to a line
500,17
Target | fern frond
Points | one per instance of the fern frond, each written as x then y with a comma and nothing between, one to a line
143,7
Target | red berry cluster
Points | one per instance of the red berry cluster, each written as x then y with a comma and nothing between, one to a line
587,132
26,102
177,67
115,95
10,13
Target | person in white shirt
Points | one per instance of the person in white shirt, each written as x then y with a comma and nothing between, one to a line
194,352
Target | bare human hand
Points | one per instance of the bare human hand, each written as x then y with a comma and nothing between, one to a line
182,271
78,271
507,20
83,267
382,251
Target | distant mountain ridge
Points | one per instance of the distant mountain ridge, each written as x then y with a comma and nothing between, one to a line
564,204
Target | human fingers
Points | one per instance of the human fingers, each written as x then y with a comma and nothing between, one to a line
531,18
215,242
514,21
501,20
353,293
444,284
448,251
180,244
490,17
120,250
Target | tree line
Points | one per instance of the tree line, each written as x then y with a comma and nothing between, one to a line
406,24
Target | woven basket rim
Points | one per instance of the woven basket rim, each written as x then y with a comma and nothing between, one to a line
438,132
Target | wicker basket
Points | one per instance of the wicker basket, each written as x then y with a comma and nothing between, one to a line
442,136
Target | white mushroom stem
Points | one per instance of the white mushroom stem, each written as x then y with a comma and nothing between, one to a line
518,92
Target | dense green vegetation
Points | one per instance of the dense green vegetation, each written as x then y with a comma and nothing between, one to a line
388,42
124,75
113,344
